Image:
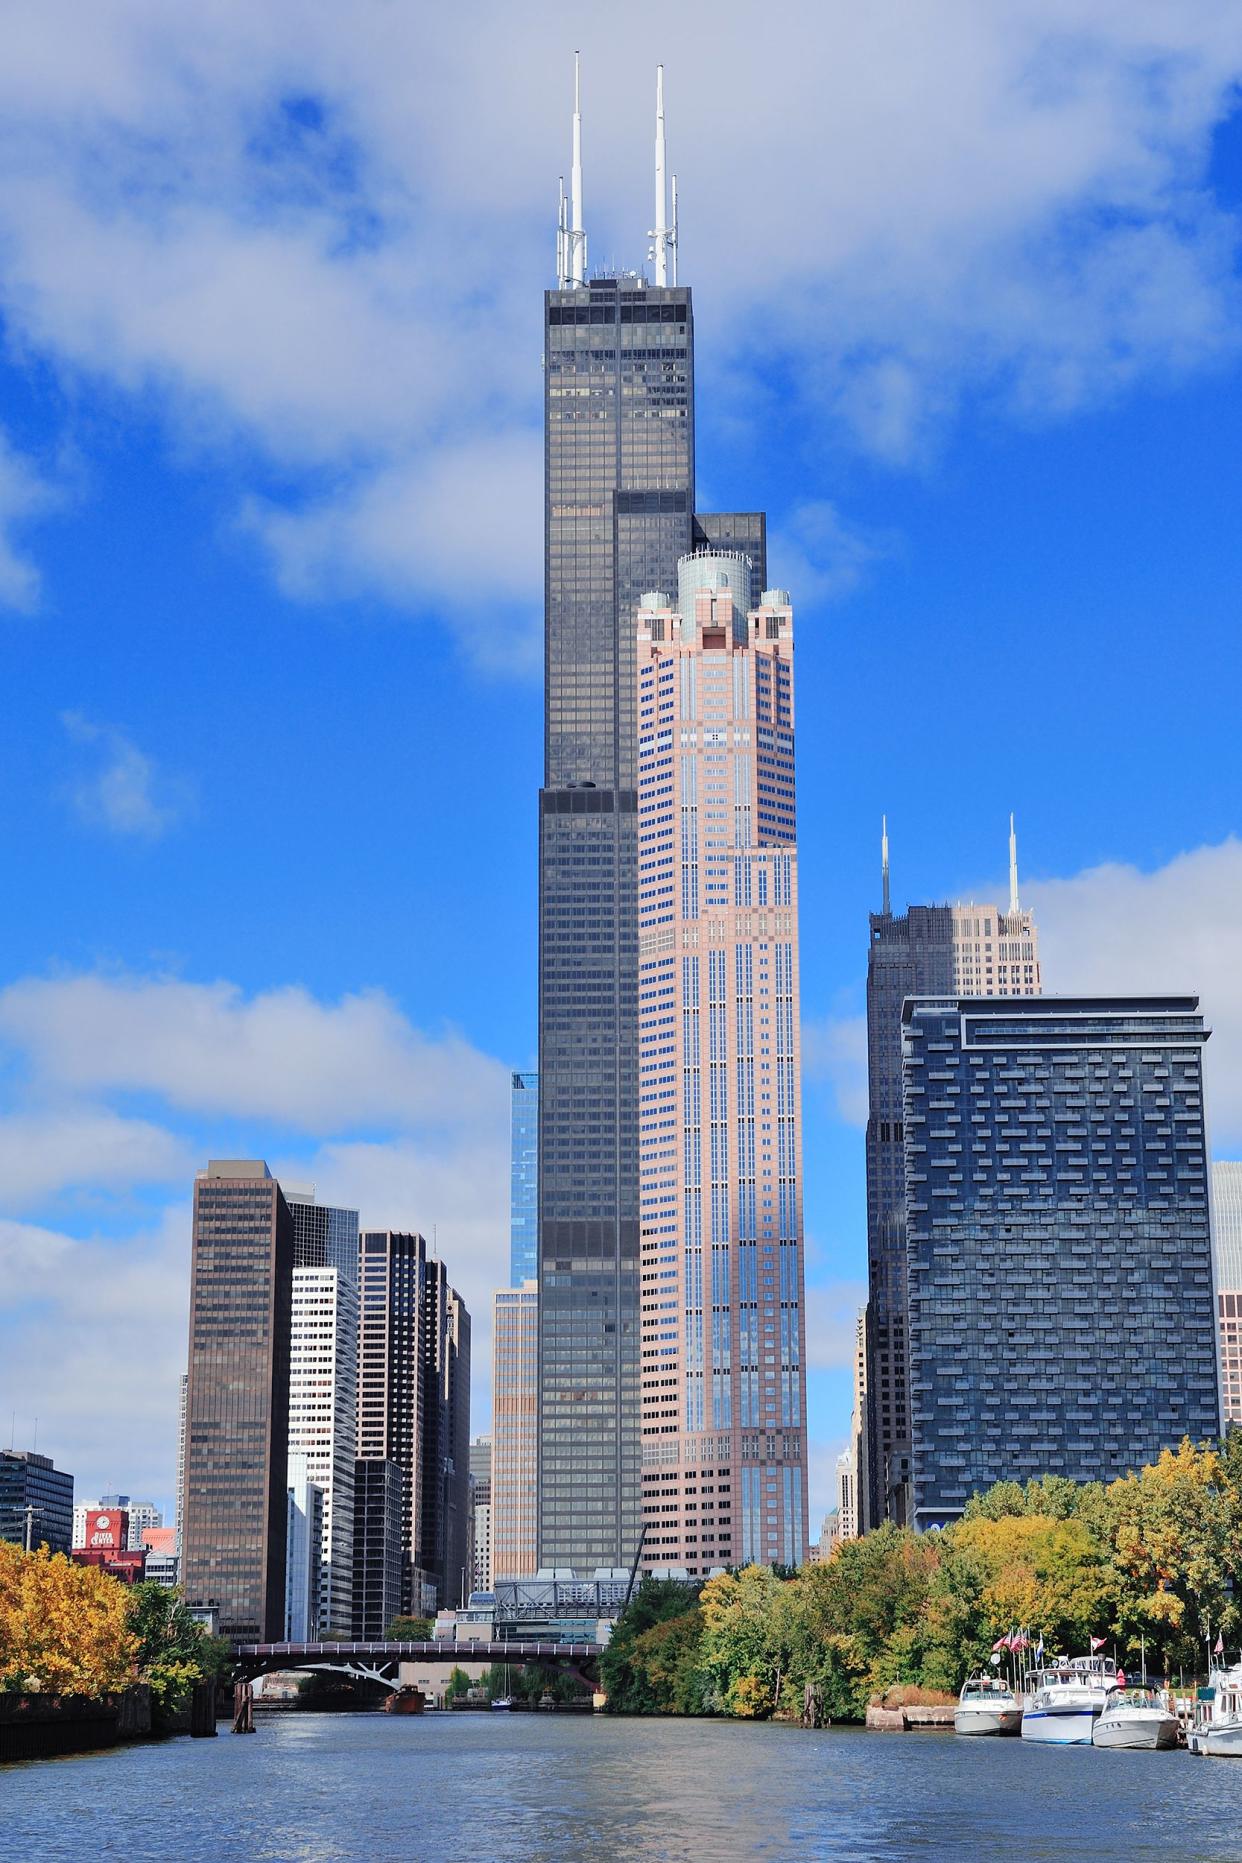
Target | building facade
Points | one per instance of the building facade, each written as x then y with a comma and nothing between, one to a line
619,513
515,1436
304,1537
1061,1308
925,951
323,1237
36,1501
523,1178
1227,1260
723,1400
323,1423
381,1559
481,1514
445,1548
235,1504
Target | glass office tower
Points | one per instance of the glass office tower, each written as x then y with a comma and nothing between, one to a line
1060,1272
523,1177
619,513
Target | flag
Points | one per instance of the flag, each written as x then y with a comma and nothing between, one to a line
999,1644
1039,1648
1097,1643
1218,1648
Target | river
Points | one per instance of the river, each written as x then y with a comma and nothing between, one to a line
495,1788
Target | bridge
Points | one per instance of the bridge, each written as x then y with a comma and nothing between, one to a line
380,1662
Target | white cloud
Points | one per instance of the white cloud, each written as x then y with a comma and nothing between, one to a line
323,232
24,496
818,556
1114,929
92,1342
832,1324
91,1148
835,1050
281,1056
125,792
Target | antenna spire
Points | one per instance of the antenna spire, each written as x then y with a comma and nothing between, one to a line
576,241
1013,868
660,233
884,863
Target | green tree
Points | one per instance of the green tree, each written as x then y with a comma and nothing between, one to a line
409,1630
458,1684
172,1649
625,1681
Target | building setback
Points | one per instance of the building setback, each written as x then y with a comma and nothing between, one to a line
234,1507
722,1328
36,1501
925,951
619,513
1061,1310
1227,1260
515,1440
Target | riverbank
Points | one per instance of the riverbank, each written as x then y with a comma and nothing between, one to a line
35,1726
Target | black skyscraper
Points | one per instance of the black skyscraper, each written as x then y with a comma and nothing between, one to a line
619,512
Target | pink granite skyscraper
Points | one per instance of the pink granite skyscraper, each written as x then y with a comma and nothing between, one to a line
723,1401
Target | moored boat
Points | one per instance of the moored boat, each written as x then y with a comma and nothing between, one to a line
987,1705
1138,1716
1068,1699
1218,1721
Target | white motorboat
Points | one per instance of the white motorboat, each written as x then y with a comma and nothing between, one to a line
1217,1729
1136,1715
987,1705
1069,1698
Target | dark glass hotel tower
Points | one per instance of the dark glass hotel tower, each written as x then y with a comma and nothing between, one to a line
619,512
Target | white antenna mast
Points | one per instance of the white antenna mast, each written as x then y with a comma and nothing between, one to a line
577,234
672,238
562,240
884,863
1013,869
660,232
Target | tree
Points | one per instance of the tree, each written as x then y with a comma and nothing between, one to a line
409,1630
625,1680
458,1684
172,1649
64,1628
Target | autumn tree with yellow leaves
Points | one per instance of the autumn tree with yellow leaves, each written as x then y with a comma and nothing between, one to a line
64,1628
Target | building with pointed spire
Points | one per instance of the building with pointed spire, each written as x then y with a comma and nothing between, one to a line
619,514
970,949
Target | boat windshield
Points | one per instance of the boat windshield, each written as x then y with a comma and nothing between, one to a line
1137,1695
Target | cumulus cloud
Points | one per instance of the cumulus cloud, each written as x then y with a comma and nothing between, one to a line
92,1343
125,792
323,234
832,1324
1114,928
92,1148
280,1056
834,1050
24,495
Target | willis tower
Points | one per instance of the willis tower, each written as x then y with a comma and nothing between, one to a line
618,514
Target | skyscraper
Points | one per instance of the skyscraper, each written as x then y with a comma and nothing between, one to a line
1227,1260
927,951
523,1178
323,1423
381,1563
1061,1308
323,1237
723,1325
619,513
36,1501
414,1405
481,1513
234,1508
515,1459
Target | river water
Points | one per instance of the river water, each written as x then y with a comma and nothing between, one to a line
491,1788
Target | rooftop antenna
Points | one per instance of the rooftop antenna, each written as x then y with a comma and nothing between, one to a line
1013,869
661,232
577,235
672,238
562,240
884,863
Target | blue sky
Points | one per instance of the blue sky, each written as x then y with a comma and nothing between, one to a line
967,301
